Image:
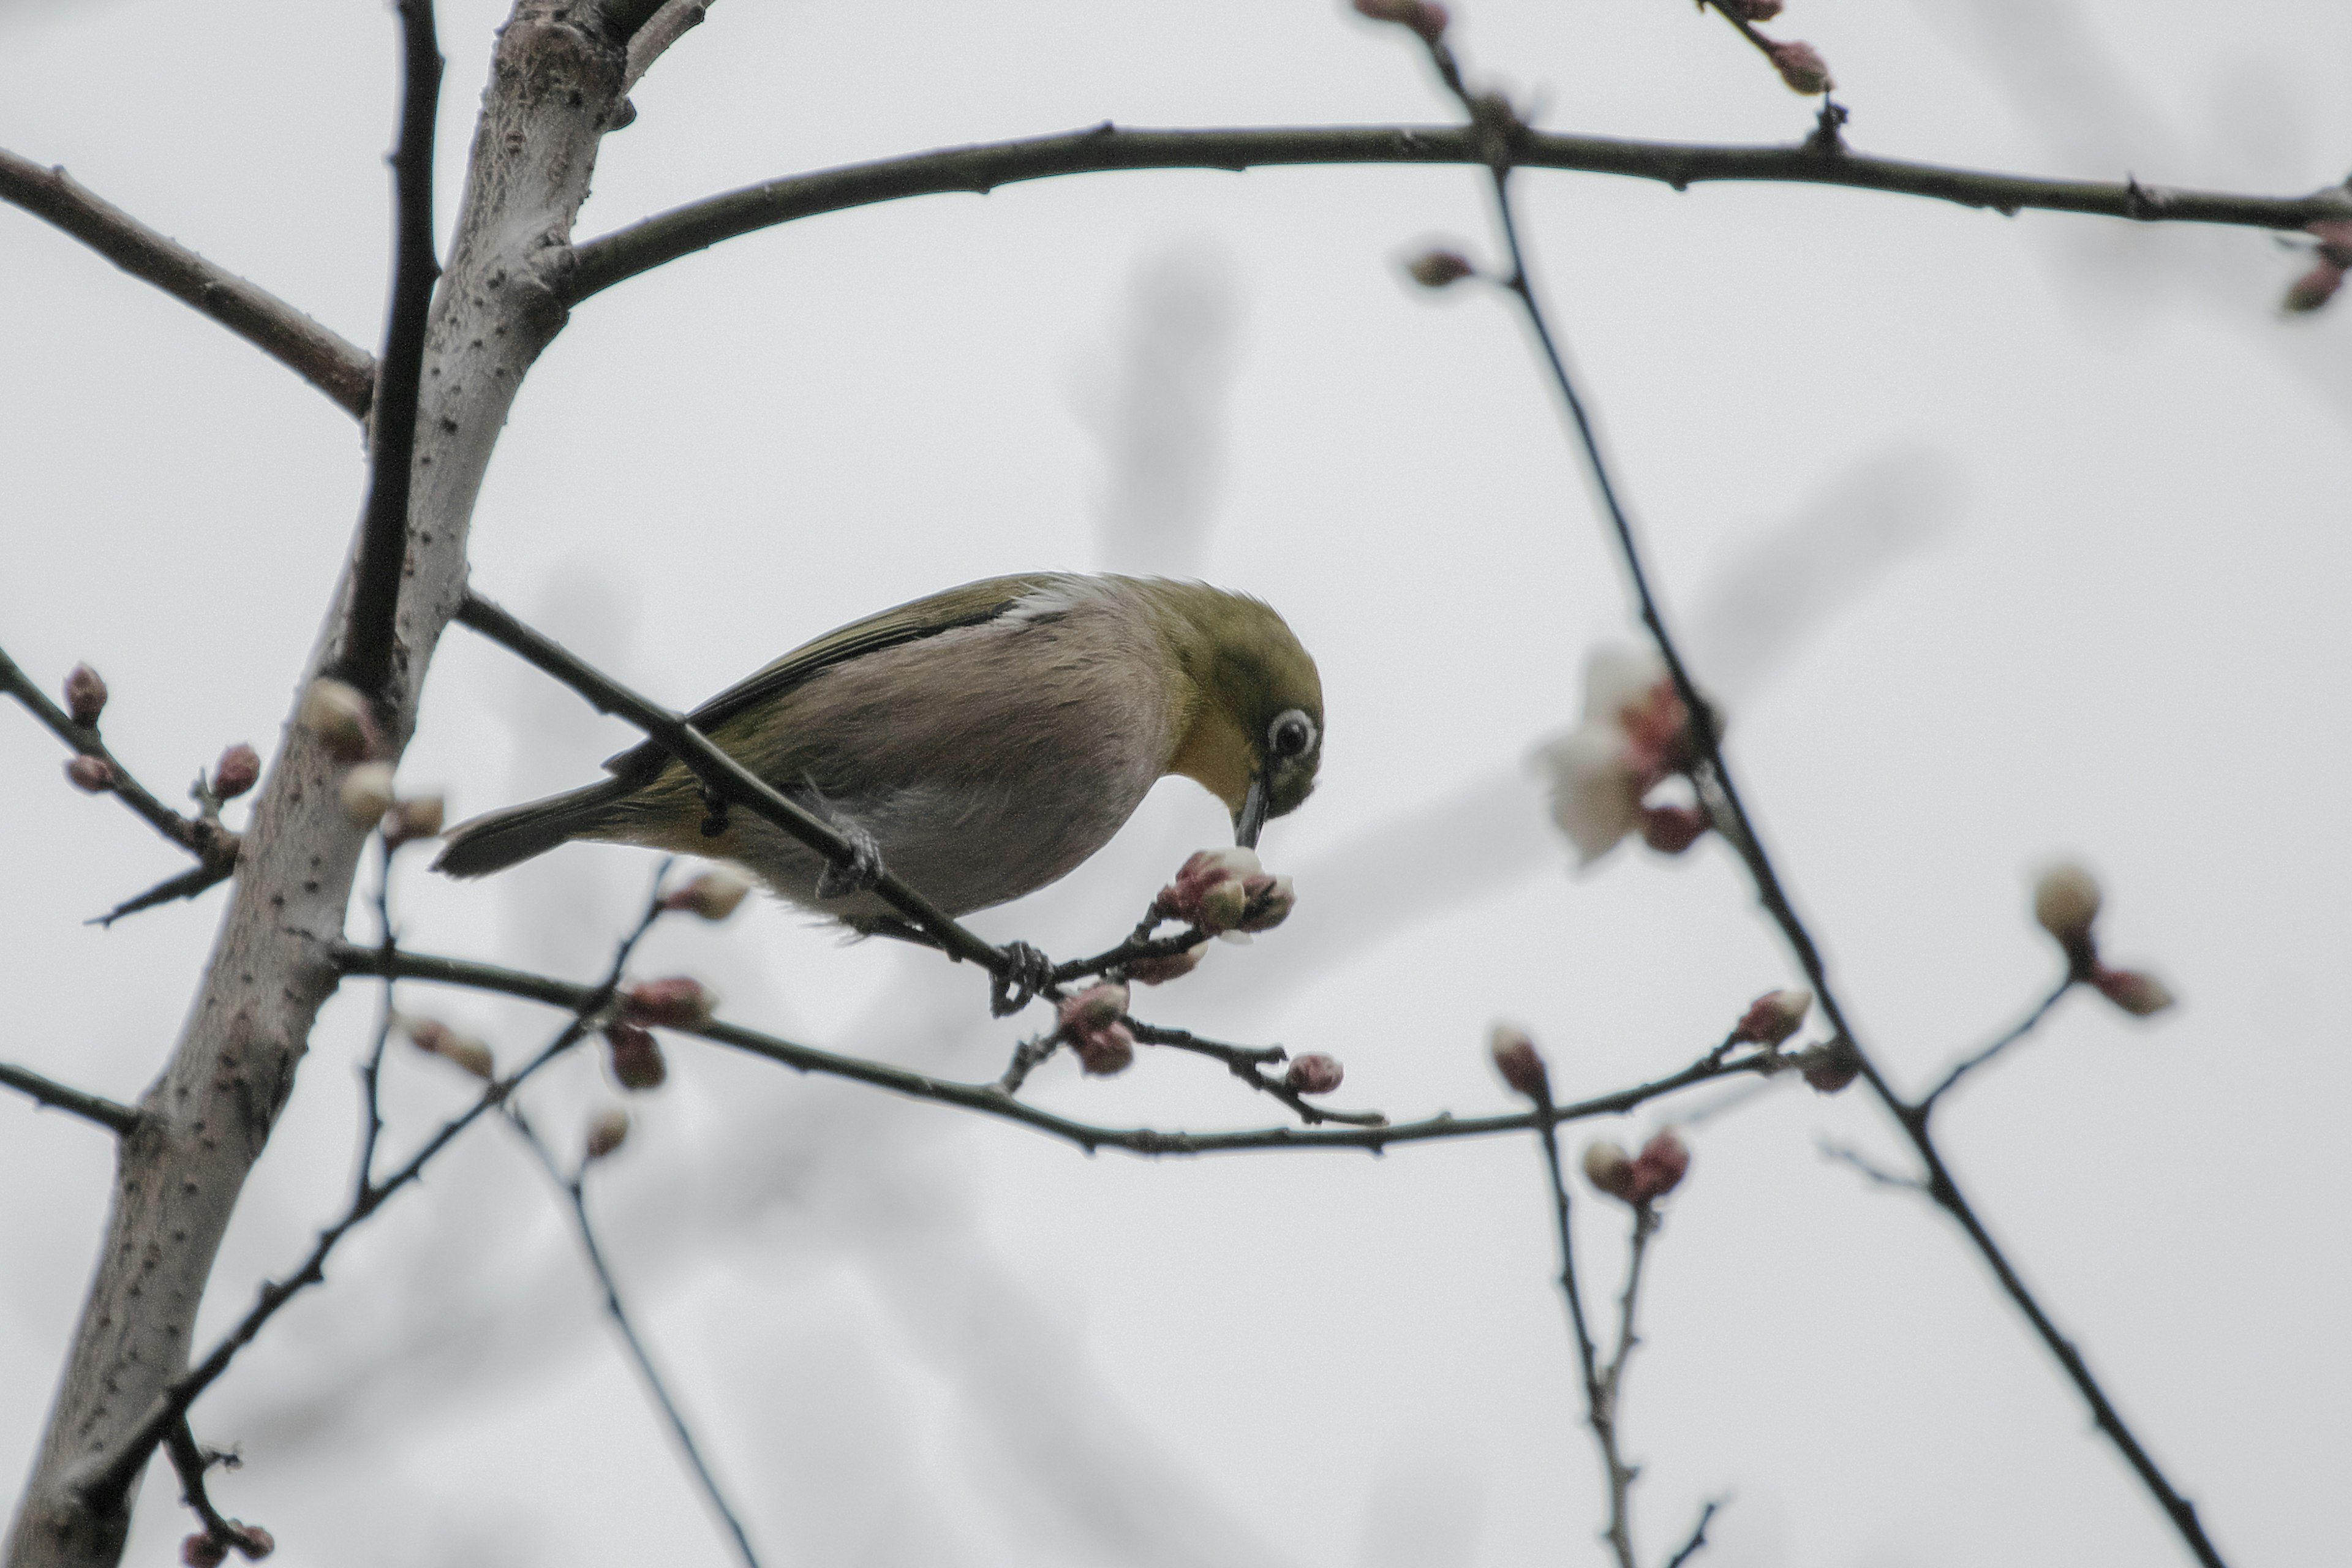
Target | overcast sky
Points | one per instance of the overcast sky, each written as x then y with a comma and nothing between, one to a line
2004,538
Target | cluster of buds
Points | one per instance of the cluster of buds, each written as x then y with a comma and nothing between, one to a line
1226,892
713,895
1635,734
1093,1025
1638,1179
2066,901
2331,261
1521,1066
1426,19
1772,1019
607,1131
634,1055
206,1549
674,1002
462,1051
1313,1073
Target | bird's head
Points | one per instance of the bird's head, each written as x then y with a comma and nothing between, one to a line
1253,733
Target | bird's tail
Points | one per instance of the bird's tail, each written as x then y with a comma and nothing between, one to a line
502,838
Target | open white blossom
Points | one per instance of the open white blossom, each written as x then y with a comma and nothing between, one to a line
1634,733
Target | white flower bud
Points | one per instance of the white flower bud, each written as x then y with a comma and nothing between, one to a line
367,793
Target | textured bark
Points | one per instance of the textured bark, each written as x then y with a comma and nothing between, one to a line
554,89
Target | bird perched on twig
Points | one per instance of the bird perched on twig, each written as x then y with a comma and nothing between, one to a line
981,743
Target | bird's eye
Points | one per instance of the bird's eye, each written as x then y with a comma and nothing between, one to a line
1292,735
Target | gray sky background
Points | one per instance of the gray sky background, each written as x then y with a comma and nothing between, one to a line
2006,539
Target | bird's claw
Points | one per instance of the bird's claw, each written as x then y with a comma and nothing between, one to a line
1026,975
864,868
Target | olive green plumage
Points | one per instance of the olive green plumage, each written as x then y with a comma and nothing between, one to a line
986,739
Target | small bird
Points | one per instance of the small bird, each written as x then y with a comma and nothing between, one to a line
981,743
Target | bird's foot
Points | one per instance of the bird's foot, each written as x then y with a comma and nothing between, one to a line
865,867
1026,975
714,813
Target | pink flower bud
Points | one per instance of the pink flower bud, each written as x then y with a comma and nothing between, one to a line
238,770
1314,1073
2313,289
2135,991
1773,1017
1658,1168
1271,900
85,694
1830,1066
1801,67
1521,1065
1439,268
1104,1051
636,1057
462,1051
676,1002
253,1543
1670,829
201,1550
607,1131
1175,967
367,793
410,820
91,775
1609,1168
343,720
713,895
1096,1007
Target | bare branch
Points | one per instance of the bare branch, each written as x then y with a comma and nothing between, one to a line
599,263
342,370
85,740
192,1462
574,1188
1878,1174
370,634
1505,140
1970,1063
991,1100
1706,1513
121,1119
103,1480
663,28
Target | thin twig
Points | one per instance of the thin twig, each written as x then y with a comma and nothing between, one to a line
1698,1534
1612,1382
86,742
371,1070
1879,1175
988,1099
104,1479
1247,1063
119,1118
599,263
191,1461
1596,1397
1968,1064
573,1188
1749,846
342,370
371,636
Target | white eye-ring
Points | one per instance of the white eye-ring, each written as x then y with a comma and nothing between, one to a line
1292,735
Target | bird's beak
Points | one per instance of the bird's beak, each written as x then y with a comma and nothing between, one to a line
1251,822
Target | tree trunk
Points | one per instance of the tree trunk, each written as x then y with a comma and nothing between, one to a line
554,89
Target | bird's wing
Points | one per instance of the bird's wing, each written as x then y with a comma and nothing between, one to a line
973,604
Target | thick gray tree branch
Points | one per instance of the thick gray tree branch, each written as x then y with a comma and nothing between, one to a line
553,90
343,371
607,261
